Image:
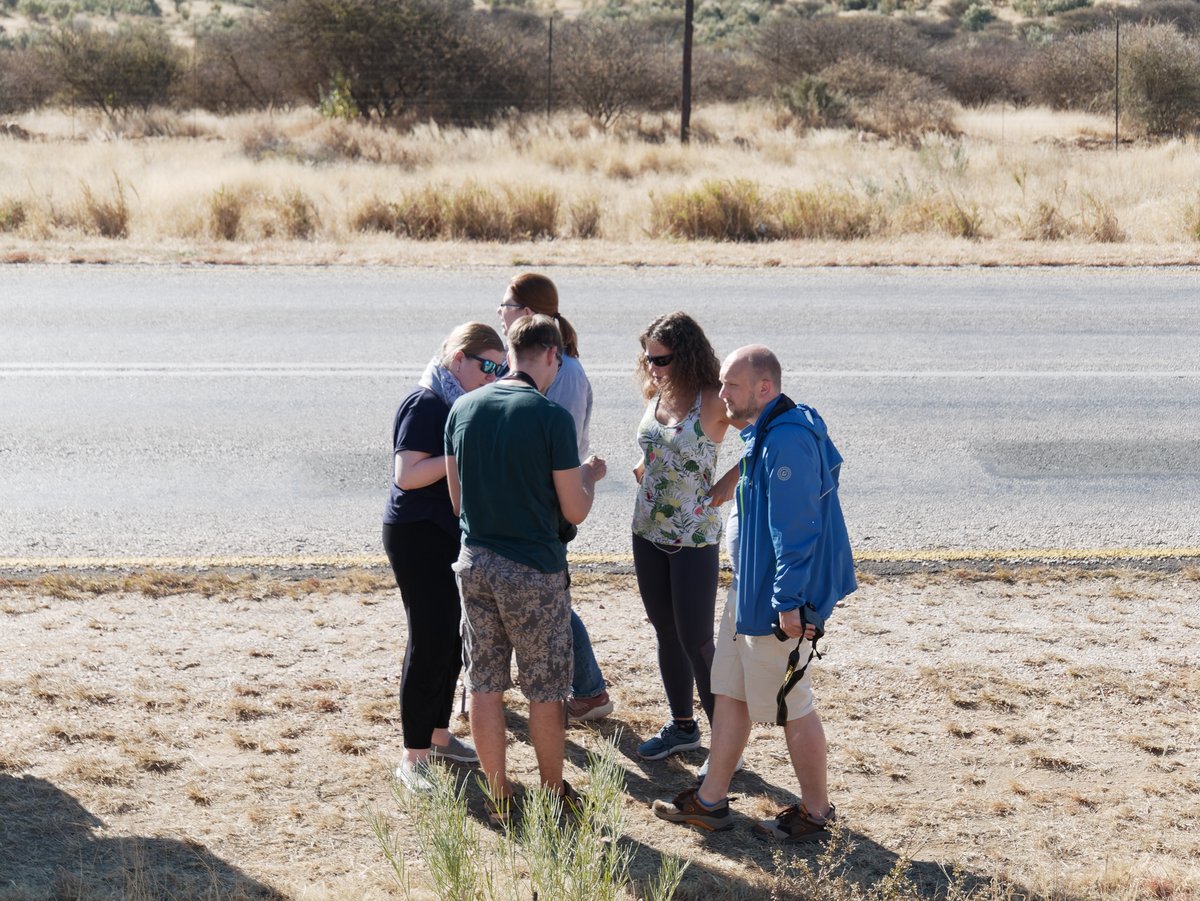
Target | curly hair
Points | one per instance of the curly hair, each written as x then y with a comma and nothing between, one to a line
695,365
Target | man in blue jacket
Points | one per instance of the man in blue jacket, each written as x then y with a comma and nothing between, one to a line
792,564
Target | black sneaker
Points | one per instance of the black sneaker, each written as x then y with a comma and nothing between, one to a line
687,809
796,824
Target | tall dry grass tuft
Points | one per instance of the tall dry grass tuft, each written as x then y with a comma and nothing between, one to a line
107,216
225,211
826,213
725,210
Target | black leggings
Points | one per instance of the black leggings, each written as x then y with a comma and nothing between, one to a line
421,554
679,590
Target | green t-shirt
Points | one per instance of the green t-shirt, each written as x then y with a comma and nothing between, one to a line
508,440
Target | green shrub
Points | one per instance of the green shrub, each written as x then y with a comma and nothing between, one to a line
892,103
977,16
813,103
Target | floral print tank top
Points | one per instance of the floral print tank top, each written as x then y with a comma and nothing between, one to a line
672,504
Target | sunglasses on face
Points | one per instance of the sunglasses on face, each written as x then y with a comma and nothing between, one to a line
488,367
661,360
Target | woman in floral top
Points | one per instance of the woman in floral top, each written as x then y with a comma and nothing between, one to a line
676,520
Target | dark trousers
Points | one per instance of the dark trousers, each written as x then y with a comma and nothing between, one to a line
420,554
679,591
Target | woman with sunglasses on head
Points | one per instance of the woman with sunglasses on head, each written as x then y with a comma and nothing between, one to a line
527,294
676,520
421,537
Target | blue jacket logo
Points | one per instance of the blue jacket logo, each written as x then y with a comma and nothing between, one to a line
784,473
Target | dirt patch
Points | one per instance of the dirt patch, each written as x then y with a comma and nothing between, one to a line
231,741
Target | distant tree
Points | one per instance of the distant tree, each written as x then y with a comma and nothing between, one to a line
399,57
133,67
609,69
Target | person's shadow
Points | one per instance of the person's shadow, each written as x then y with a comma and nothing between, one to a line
49,849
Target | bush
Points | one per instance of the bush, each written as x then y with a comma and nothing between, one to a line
610,69
407,59
585,217
890,102
980,70
790,48
1075,72
977,16
1160,79
813,103
135,66
298,217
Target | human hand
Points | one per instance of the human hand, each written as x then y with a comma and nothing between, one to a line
723,488
638,470
794,625
596,466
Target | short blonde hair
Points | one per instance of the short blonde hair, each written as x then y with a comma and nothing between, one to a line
470,338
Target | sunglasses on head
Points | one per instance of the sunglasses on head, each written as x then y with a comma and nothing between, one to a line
557,353
661,360
489,367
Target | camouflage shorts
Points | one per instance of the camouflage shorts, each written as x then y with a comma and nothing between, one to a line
509,607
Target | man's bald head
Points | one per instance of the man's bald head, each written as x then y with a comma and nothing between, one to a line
762,362
751,377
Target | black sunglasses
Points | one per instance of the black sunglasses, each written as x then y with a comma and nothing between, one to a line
557,353
661,360
488,367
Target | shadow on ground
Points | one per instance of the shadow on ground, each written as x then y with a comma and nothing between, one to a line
49,849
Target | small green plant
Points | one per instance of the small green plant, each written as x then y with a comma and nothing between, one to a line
337,102
567,855
813,102
977,17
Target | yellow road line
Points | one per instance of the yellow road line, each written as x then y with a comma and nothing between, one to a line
371,561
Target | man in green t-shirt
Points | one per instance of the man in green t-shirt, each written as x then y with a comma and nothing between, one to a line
515,480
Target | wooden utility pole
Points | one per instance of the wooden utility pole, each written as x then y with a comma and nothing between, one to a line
685,112
1117,91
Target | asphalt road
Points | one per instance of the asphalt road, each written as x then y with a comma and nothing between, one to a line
179,412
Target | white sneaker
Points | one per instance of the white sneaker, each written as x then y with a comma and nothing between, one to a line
415,777
703,771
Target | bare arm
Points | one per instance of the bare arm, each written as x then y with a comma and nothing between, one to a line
576,488
453,484
415,469
713,417
723,488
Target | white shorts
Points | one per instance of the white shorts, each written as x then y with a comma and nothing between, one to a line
751,668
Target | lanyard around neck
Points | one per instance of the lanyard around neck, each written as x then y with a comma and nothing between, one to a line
525,377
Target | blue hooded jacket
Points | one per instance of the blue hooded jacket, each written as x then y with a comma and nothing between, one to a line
794,550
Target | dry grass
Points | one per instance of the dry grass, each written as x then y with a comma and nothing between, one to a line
235,758
1021,186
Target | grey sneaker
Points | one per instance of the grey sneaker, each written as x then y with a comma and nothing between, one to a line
796,824
456,750
686,808
670,740
415,777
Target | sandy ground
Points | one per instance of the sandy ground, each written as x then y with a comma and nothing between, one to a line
234,735
915,250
